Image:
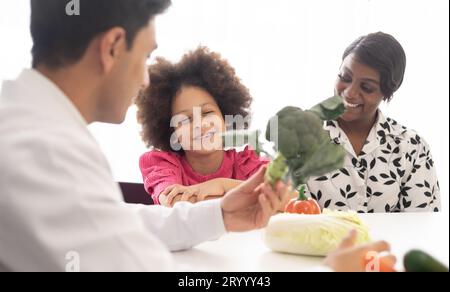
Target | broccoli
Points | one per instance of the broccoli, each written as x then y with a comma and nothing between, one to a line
330,109
304,147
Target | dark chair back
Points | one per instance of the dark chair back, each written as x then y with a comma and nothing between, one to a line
135,193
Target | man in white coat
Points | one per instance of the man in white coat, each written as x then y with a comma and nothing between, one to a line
59,203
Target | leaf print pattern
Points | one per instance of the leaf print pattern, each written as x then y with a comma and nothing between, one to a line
395,172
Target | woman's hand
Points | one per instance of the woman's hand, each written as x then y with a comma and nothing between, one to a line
351,258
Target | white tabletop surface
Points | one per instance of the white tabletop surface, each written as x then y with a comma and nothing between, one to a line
246,252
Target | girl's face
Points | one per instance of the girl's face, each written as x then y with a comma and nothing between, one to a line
198,121
359,85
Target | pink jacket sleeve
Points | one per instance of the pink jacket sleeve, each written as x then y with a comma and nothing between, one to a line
159,171
248,163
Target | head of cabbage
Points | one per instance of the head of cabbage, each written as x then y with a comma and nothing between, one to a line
314,235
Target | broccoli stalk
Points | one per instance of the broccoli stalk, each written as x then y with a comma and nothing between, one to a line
277,169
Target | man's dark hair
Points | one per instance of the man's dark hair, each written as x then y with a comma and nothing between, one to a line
383,53
60,39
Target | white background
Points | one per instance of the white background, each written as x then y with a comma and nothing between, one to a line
287,52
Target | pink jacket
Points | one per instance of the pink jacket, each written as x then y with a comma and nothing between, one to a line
163,169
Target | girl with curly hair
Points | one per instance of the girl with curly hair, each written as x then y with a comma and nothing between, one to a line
183,114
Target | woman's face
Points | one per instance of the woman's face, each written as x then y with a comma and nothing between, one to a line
359,85
198,120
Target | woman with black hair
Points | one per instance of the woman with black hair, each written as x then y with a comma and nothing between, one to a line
388,167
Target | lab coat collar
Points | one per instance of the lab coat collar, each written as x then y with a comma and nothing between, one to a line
32,88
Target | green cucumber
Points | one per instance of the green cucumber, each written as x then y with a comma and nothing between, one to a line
419,261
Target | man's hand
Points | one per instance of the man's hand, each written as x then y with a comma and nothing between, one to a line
250,205
351,258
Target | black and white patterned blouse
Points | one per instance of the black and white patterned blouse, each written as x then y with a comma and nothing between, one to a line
394,173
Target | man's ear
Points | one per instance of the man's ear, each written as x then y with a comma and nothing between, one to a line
112,45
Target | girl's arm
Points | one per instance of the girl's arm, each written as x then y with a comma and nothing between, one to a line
229,184
165,201
212,189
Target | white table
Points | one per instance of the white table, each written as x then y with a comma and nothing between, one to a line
246,252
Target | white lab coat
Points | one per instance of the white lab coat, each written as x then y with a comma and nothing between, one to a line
60,208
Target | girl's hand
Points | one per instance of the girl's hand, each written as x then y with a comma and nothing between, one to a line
212,189
178,193
164,201
196,193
